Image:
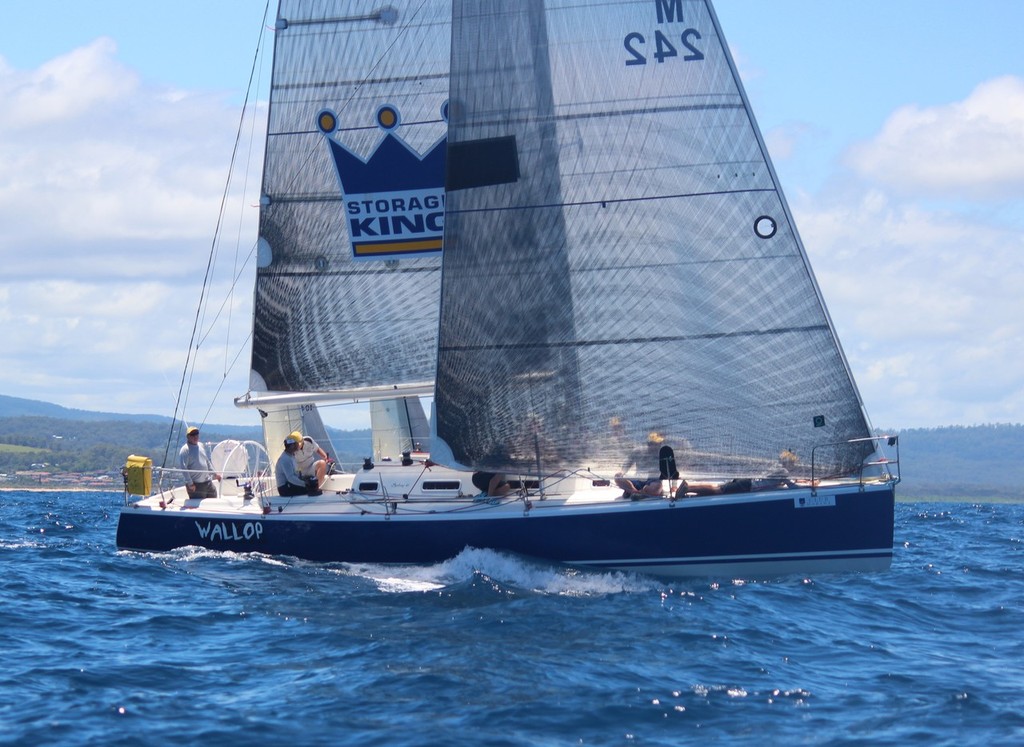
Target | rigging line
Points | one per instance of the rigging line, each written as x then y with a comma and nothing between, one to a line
204,296
224,378
261,52
186,375
255,70
224,304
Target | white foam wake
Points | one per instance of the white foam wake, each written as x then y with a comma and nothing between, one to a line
508,570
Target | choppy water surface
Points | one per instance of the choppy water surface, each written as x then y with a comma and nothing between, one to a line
113,648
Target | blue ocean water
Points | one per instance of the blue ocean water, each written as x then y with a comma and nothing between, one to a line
188,647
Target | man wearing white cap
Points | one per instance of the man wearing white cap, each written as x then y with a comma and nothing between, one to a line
289,482
194,459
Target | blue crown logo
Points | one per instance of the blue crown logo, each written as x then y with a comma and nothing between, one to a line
394,199
392,166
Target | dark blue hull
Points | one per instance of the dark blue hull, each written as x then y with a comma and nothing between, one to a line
761,534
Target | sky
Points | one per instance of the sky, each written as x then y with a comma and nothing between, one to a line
896,129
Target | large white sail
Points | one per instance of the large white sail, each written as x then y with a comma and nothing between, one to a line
352,208
618,251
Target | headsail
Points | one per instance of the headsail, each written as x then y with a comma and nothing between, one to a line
280,420
350,223
398,426
636,262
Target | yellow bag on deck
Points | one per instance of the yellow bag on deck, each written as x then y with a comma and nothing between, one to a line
138,475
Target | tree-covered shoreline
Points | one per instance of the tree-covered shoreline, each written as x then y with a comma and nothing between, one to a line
37,445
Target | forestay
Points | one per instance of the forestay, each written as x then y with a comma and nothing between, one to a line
618,247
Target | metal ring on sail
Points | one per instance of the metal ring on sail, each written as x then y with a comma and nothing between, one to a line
765,226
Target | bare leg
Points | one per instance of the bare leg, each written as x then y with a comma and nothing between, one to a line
497,486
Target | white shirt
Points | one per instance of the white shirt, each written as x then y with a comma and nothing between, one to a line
306,457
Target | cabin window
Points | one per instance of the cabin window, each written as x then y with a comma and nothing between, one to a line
442,484
368,487
529,484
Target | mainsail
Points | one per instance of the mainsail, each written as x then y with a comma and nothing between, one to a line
352,201
618,250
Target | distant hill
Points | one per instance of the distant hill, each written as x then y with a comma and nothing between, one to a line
12,407
55,417
66,440
978,461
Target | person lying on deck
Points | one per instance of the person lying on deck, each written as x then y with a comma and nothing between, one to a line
777,479
738,485
636,488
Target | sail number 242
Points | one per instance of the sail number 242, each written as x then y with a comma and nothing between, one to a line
662,49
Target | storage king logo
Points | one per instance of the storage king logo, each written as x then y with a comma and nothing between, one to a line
394,200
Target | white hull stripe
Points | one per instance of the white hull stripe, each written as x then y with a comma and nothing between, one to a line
825,555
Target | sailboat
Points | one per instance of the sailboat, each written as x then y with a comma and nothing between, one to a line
560,221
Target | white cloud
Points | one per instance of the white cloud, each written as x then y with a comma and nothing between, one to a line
969,149
64,89
926,294
91,153
109,197
783,141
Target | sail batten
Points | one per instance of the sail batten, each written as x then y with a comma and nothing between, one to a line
356,82
635,340
608,200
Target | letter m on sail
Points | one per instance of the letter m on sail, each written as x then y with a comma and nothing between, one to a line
669,11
